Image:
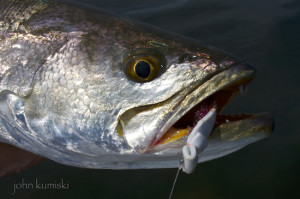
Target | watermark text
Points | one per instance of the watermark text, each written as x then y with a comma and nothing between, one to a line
37,184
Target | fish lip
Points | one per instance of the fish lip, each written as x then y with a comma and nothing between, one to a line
264,123
242,72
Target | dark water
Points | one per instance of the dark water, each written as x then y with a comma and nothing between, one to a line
264,33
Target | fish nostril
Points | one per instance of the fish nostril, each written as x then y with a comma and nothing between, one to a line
187,58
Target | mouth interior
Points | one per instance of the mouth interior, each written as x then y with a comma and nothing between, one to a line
182,128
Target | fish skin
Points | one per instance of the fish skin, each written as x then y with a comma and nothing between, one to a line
64,94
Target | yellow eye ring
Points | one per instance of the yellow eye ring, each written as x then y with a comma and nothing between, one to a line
143,68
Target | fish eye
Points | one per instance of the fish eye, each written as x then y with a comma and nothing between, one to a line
143,67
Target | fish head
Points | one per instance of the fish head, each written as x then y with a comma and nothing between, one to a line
120,94
189,78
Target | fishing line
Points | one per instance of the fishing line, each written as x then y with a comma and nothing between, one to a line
196,144
175,180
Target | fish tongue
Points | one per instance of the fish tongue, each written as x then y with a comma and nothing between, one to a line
204,110
195,114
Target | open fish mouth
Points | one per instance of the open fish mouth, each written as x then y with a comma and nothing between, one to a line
227,84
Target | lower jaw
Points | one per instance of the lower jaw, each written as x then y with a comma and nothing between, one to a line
229,129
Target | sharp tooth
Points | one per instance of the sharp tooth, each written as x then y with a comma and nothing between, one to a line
245,89
241,87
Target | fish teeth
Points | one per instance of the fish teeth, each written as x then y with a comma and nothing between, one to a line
243,89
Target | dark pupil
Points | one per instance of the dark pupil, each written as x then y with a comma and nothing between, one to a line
142,69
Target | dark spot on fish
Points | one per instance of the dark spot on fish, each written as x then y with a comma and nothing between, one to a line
143,69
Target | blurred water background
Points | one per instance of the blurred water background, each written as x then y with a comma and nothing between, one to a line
264,33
